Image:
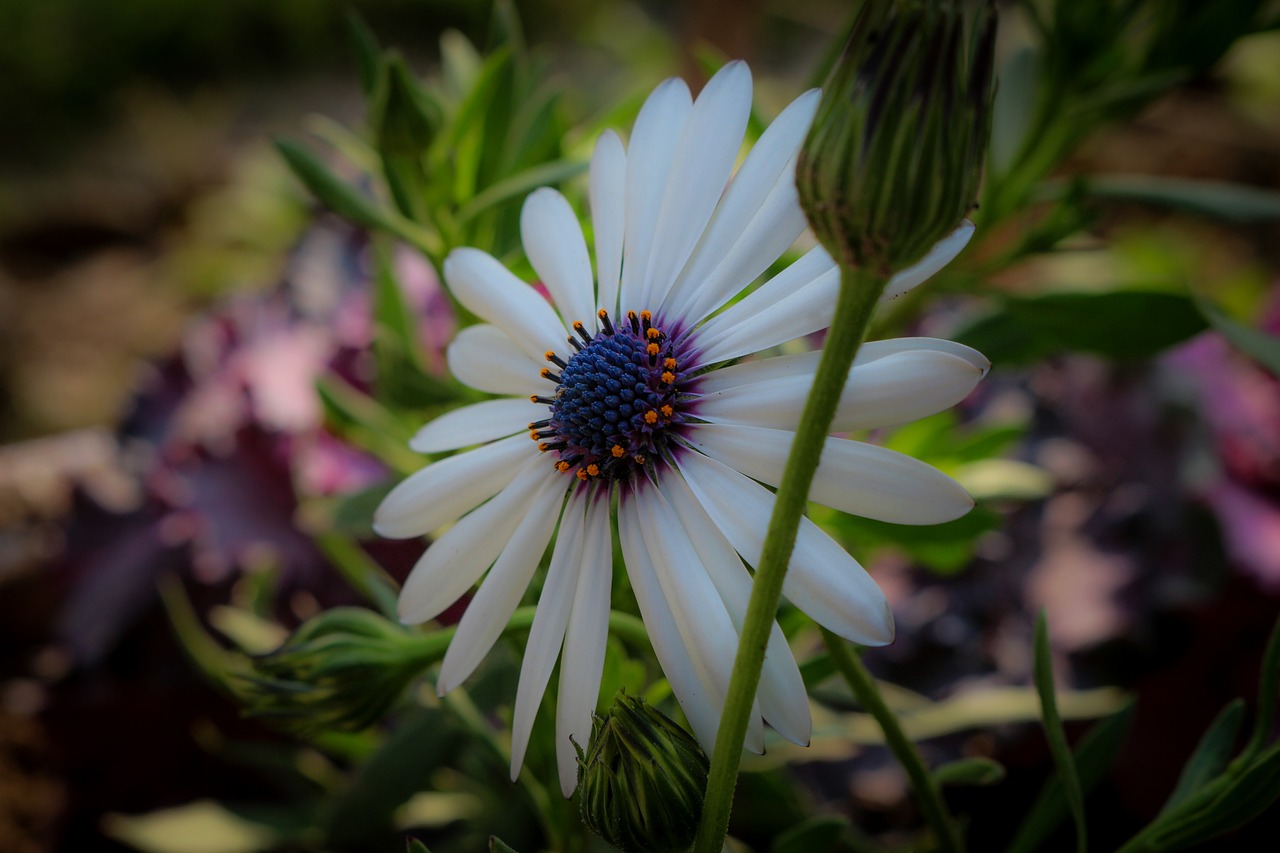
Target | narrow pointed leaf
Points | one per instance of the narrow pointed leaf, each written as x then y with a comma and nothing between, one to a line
1055,734
1211,755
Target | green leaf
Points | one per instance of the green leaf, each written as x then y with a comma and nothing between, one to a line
413,845
1055,734
970,771
555,172
1093,756
1211,755
366,48
1217,199
330,190
1252,793
1118,324
1268,681
1258,345
497,845
405,120
820,832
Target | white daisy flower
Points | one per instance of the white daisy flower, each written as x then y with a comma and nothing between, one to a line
627,384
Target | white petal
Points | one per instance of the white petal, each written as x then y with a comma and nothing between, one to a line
942,253
488,612
608,193
784,701
476,424
756,221
546,635
797,301
703,161
695,700
896,389
488,289
553,242
654,139
854,477
582,662
703,624
803,365
455,561
483,357
444,490
823,580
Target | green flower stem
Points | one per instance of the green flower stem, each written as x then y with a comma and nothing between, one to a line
925,786
860,290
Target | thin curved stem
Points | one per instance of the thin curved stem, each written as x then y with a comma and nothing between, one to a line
926,789
859,292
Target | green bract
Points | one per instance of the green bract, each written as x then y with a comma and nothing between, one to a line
893,159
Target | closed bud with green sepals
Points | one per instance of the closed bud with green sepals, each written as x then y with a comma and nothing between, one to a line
642,779
893,159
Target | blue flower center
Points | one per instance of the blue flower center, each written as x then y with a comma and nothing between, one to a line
616,400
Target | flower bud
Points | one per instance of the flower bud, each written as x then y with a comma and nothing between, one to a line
342,670
894,156
643,779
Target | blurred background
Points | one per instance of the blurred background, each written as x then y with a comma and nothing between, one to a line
170,297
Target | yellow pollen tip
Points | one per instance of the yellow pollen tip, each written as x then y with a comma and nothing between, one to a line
602,313
652,349
549,354
618,452
668,377
639,458
667,411
654,334
582,475
669,364
544,372
562,466
651,417
533,398
645,315
577,324
593,470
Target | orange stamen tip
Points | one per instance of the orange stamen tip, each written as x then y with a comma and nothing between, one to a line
602,313
544,372
654,334
639,458
651,417
549,354
667,411
562,466
669,364
577,324
668,377
593,469
618,452
582,475
645,315
533,398
652,349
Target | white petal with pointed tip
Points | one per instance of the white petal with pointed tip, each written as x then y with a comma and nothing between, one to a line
823,580
554,244
862,479
699,172
942,253
444,490
582,661
488,612
455,561
783,699
651,151
476,424
892,390
483,357
488,289
758,218
607,188
695,700
546,635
